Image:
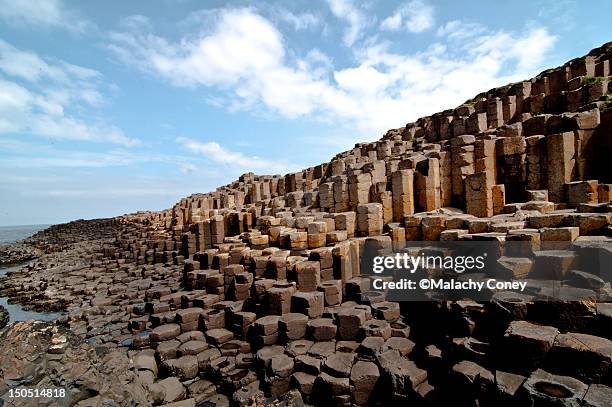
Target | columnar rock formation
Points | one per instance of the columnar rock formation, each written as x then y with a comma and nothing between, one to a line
256,288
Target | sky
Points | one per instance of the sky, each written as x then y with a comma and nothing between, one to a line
111,107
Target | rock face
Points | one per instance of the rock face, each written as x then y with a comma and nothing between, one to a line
43,355
255,293
4,317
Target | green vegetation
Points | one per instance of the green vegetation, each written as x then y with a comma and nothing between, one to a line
590,80
470,102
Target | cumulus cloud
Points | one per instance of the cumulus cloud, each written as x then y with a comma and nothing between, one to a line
42,13
245,57
414,16
38,96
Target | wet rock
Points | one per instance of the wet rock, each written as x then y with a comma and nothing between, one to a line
4,317
17,253
80,368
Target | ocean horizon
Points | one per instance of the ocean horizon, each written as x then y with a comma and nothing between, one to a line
11,234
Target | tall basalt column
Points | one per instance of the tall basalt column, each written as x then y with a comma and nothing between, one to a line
427,185
560,161
359,185
446,180
603,152
370,219
535,161
255,192
479,195
495,113
484,154
511,166
326,196
462,149
341,194
402,187
584,124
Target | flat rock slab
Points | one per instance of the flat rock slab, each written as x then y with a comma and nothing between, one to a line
281,365
165,332
219,336
339,364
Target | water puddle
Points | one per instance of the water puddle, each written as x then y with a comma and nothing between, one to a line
16,311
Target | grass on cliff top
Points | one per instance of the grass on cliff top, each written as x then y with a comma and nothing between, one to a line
590,80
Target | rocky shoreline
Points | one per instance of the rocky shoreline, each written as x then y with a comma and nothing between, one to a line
257,293
43,355
17,253
123,322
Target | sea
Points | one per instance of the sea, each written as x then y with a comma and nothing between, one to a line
11,234
17,312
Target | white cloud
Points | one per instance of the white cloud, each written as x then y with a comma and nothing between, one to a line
41,95
247,60
347,10
233,160
242,43
414,16
528,50
67,159
457,29
42,13
29,66
299,21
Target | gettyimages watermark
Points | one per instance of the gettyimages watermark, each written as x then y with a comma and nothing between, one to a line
477,270
411,263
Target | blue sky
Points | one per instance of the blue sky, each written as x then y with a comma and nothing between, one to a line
111,107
